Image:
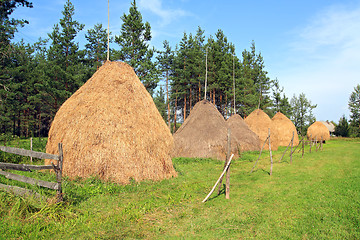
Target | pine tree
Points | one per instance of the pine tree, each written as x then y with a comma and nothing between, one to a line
342,129
133,40
165,62
96,48
354,107
302,115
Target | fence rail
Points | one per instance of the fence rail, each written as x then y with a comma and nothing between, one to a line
27,167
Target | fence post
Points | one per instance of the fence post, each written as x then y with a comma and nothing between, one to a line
271,160
31,148
227,187
59,173
292,143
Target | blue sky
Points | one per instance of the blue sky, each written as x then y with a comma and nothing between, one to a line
311,47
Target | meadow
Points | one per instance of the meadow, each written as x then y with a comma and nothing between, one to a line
315,197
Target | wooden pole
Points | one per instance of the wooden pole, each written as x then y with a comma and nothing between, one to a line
316,144
31,148
292,143
108,33
285,151
321,143
259,154
222,174
227,188
303,147
271,160
226,158
310,142
59,173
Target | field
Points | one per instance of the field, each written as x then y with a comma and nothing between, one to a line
315,197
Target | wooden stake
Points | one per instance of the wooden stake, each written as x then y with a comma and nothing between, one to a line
259,154
316,144
303,147
227,157
271,160
310,143
222,174
285,150
227,189
59,174
31,148
292,143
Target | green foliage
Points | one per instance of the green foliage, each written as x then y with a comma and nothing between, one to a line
342,129
159,100
354,107
133,40
302,116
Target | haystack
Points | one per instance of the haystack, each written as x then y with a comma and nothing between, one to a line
283,128
111,128
203,134
241,135
318,130
259,122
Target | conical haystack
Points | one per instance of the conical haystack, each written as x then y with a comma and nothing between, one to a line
241,135
318,130
283,128
203,134
111,128
259,122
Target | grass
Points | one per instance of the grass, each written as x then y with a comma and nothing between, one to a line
315,197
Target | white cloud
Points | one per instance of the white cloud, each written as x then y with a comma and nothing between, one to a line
166,15
323,61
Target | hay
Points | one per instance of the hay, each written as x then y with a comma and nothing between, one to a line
283,128
203,134
318,130
242,135
259,122
111,128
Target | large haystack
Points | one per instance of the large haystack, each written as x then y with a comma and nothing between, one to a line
318,130
259,122
283,128
111,128
242,135
203,134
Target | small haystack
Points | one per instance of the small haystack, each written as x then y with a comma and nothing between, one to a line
111,128
259,122
203,134
242,135
283,128
318,130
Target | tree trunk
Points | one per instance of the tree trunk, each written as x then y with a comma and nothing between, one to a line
175,110
190,100
184,107
167,99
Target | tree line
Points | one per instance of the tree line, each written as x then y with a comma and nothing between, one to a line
35,79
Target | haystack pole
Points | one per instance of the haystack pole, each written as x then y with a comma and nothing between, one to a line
108,33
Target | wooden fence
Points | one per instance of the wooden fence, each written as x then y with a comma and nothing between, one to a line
25,167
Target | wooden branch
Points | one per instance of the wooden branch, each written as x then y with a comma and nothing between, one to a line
24,167
285,151
29,180
227,186
28,153
222,174
259,154
271,160
227,156
291,151
21,191
59,174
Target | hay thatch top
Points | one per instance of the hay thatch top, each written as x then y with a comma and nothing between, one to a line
259,122
283,128
318,130
110,127
203,134
242,135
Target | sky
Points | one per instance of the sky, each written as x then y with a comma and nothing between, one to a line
311,47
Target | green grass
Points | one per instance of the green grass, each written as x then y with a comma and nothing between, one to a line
315,197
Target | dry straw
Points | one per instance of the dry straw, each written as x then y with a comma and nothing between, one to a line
203,134
241,135
283,128
259,122
318,130
111,128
